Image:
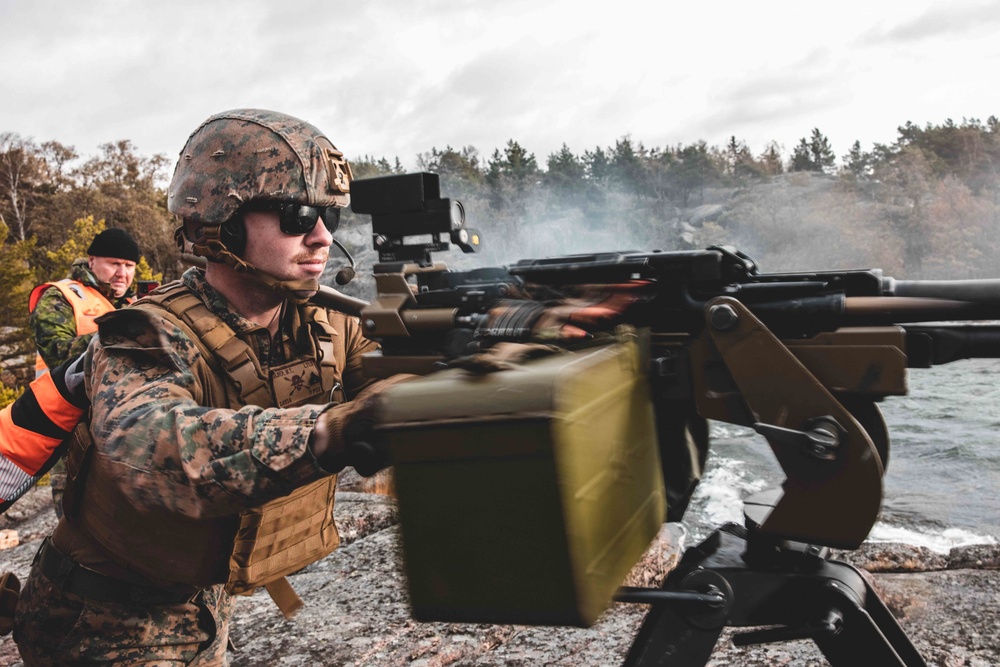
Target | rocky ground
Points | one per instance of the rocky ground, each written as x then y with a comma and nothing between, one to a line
356,609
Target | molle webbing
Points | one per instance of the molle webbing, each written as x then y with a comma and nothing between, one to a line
219,341
273,537
322,334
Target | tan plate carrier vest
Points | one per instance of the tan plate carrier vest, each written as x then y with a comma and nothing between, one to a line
260,546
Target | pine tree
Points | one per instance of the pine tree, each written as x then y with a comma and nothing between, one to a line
566,173
456,168
770,159
857,163
627,165
597,165
820,152
802,158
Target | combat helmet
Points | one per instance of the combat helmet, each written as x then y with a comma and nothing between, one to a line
245,155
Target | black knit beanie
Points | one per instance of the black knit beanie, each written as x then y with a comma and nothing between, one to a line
115,242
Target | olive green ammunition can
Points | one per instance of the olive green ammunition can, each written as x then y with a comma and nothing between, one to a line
526,495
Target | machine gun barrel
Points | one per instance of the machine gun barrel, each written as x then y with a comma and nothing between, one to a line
973,291
886,310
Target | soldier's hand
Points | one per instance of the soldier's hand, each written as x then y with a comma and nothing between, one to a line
73,377
345,434
593,308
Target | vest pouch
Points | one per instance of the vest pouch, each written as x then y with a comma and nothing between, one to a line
283,536
166,547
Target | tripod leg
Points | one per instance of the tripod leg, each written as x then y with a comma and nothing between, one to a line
667,639
684,634
869,633
795,595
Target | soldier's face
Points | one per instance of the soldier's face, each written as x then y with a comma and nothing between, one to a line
285,256
119,273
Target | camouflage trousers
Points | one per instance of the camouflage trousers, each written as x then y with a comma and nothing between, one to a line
53,627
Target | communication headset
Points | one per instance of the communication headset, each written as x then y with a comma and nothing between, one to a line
233,233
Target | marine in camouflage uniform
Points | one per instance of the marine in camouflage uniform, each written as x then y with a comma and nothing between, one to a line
54,325
172,454
53,322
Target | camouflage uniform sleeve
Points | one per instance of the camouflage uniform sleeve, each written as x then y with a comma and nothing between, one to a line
165,449
357,345
53,325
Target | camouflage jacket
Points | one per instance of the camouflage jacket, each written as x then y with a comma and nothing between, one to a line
170,452
53,323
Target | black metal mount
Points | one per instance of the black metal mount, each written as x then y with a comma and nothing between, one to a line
739,577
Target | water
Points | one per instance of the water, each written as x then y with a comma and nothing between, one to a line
942,484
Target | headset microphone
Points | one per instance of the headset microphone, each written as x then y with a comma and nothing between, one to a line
346,274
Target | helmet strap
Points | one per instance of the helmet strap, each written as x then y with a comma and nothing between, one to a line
210,246
296,291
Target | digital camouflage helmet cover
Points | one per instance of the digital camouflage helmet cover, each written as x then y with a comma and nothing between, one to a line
244,155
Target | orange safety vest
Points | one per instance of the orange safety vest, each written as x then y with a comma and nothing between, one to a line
87,302
34,432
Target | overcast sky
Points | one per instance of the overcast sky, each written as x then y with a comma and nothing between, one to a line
398,77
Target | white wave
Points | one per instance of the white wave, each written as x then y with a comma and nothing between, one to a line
723,431
940,542
722,490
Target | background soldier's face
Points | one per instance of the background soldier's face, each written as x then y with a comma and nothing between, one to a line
285,256
119,273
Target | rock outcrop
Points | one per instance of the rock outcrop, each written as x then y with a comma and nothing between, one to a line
356,609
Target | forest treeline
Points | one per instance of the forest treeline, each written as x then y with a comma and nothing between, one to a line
925,205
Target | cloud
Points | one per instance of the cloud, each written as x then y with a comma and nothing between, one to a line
795,95
952,20
397,78
494,96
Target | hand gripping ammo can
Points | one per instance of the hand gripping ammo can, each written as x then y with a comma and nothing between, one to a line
526,495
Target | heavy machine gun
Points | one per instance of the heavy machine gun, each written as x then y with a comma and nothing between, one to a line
802,358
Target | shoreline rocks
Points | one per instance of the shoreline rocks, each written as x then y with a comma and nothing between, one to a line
356,610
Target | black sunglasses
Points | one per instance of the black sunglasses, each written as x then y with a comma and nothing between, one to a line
297,219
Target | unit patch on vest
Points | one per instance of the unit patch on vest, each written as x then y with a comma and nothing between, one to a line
296,382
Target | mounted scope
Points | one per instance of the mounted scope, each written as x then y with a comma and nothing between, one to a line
410,205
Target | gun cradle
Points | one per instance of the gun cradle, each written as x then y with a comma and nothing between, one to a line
797,394
742,373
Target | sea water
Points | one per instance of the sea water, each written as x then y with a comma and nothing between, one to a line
942,482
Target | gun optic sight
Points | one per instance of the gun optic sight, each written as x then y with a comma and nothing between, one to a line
408,205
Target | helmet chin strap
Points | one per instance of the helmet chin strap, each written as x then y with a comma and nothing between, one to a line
212,248
296,291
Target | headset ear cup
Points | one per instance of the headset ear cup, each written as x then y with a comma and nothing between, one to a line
234,235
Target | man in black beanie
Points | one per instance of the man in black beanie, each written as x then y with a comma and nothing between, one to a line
63,312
